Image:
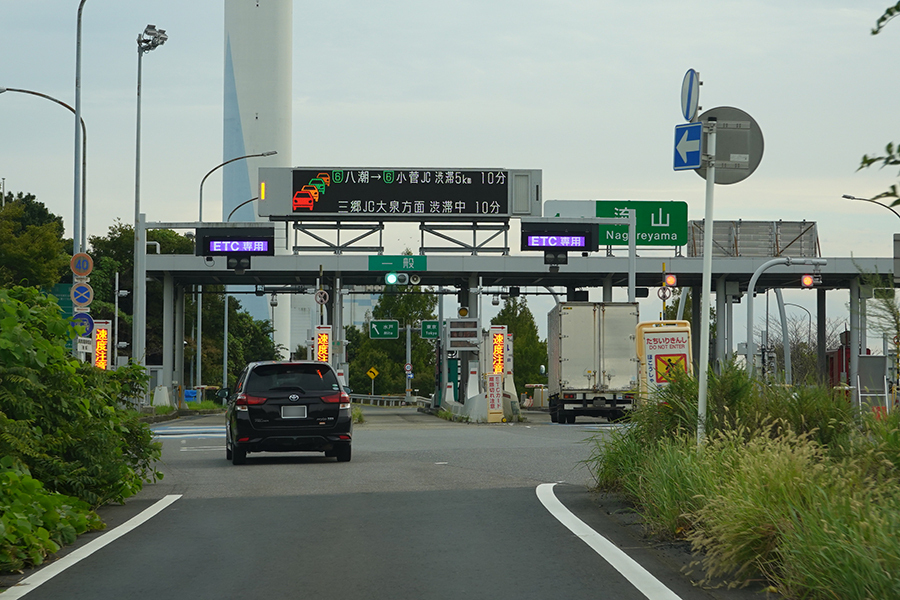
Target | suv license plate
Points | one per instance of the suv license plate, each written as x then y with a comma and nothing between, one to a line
293,412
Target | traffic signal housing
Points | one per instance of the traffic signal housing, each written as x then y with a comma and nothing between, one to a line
394,278
670,280
807,281
238,264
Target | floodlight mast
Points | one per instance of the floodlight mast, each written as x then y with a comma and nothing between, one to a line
150,39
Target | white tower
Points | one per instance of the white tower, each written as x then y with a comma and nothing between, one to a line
257,111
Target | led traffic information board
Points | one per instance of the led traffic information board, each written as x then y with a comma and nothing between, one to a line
401,194
234,241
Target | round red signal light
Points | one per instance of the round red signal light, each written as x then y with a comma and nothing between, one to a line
807,281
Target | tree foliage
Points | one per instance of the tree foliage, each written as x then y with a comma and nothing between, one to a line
889,13
32,251
408,305
62,418
249,339
891,155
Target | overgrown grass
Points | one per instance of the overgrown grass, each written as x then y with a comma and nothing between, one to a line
205,405
791,485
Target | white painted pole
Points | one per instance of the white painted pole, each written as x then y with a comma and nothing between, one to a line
707,280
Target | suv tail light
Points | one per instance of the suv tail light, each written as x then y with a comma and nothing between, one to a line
337,397
244,400
340,397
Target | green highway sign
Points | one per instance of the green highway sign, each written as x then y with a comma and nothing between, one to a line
659,222
384,330
398,263
430,330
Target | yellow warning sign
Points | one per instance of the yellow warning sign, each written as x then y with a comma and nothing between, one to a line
372,373
667,362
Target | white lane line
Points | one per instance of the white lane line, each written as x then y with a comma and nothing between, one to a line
639,577
55,568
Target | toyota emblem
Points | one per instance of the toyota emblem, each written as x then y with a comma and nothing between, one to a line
294,397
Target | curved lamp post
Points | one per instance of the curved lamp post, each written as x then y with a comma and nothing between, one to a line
809,314
200,287
83,136
751,288
150,39
849,197
225,340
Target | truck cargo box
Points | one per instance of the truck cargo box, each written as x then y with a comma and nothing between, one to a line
593,366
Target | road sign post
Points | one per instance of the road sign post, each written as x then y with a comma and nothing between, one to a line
707,280
372,373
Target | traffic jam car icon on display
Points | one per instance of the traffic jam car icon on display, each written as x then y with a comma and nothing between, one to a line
303,199
309,194
313,190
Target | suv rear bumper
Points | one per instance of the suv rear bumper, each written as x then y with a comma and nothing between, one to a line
283,443
307,439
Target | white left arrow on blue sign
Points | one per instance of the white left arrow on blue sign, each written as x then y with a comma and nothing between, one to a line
687,146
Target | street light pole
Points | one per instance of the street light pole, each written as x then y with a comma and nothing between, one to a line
751,288
849,197
83,207
225,327
150,39
198,381
78,241
809,314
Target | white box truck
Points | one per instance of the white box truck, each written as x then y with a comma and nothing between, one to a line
593,365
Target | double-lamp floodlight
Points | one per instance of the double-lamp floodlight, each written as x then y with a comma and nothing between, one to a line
151,38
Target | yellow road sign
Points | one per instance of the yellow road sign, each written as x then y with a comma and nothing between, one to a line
372,373
666,363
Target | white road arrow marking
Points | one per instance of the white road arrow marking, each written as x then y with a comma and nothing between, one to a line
685,145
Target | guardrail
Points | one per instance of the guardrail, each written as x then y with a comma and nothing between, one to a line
389,400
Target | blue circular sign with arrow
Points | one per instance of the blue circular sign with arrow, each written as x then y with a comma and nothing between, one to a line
84,320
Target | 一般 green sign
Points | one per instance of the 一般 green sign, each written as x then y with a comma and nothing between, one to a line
398,263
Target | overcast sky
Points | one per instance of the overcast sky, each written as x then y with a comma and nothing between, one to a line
587,91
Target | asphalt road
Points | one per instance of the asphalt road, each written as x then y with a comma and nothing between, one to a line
426,509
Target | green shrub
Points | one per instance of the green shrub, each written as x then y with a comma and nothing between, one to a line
846,547
61,418
742,520
33,521
791,485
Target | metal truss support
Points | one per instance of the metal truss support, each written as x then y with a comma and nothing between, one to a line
337,247
476,247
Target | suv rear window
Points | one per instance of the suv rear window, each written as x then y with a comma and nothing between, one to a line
308,378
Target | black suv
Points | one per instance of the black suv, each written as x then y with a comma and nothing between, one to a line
288,406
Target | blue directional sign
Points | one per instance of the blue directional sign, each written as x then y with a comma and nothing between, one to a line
82,294
84,320
687,146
